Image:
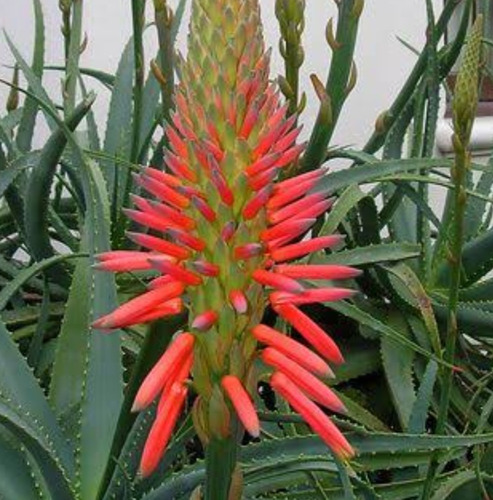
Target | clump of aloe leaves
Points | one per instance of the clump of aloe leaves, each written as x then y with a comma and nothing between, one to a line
417,379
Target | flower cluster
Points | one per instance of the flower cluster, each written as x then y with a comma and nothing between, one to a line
220,230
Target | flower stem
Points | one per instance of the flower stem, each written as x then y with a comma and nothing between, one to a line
221,459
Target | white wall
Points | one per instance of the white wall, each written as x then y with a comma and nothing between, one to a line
383,62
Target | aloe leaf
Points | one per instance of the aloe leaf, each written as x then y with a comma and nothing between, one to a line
36,344
27,274
398,368
69,365
177,19
357,314
449,489
39,187
119,129
103,384
30,109
107,79
15,476
420,300
42,451
476,208
360,414
92,128
371,254
419,413
347,200
360,358
36,88
471,318
477,259
365,174
150,111
8,176
19,385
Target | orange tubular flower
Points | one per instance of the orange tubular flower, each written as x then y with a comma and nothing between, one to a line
227,229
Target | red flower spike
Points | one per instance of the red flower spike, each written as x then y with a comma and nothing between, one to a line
163,192
222,187
179,376
150,220
117,255
288,195
177,143
313,415
128,312
204,208
268,140
178,167
287,141
292,349
321,272
312,296
159,245
291,155
314,176
161,281
316,210
239,212
308,383
160,209
278,281
206,268
187,239
249,122
133,263
161,430
296,250
293,209
228,231
278,117
242,404
291,228
238,301
262,180
263,164
163,177
175,355
248,251
177,272
253,207
170,308
205,321
311,332
216,151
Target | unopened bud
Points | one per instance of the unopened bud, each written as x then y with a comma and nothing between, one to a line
158,74
381,122
466,92
357,8
330,37
13,99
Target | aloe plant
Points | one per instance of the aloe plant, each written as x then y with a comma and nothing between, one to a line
215,221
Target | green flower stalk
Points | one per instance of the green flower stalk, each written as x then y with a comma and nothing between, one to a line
464,107
228,231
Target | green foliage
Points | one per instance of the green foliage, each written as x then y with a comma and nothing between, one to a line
66,389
